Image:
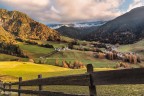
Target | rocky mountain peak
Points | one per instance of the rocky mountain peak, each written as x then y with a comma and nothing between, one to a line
22,26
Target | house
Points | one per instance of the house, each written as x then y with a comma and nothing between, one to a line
61,49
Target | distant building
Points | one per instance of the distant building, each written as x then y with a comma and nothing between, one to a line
61,49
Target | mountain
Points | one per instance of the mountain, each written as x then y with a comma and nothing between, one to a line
16,25
75,32
22,26
5,36
125,29
78,25
8,44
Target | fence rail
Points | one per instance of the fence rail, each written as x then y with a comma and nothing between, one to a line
91,79
81,80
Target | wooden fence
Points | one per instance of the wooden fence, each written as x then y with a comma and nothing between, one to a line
91,79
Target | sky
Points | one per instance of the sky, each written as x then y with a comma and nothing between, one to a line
69,11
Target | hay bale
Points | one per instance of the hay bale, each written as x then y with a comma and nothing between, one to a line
110,56
31,60
101,55
130,58
56,62
139,59
122,65
64,64
134,59
115,55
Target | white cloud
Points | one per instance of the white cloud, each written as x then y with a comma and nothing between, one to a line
27,4
136,3
48,11
88,9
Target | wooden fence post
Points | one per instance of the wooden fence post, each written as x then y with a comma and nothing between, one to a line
40,86
1,84
4,86
19,86
92,87
10,87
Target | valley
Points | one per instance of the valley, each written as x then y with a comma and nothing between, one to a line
29,48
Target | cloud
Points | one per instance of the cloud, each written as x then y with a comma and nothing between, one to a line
50,11
26,4
136,3
88,9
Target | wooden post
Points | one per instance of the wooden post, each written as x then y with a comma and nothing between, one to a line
4,86
10,87
19,86
1,84
40,86
92,87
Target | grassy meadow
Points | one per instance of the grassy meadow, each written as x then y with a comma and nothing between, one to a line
136,47
10,71
29,70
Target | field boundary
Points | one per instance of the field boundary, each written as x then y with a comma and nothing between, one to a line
91,79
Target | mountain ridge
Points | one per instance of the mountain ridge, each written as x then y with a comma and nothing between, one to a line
22,26
15,25
76,33
125,29
78,24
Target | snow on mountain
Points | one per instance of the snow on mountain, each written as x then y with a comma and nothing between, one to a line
77,25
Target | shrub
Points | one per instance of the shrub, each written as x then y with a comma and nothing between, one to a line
12,49
31,60
47,46
122,64
31,42
101,55
110,56
56,62
65,64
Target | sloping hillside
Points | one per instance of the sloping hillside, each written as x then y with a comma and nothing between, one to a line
5,36
136,47
125,29
76,32
22,26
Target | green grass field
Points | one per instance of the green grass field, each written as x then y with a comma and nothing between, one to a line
137,47
26,69
5,57
34,50
10,71
55,44
30,70
84,56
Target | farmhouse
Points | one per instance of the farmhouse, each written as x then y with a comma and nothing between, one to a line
61,49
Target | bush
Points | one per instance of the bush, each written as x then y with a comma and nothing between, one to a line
47,46
75,65
100,55
123,65
12,49
31,42
65,64
19,39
